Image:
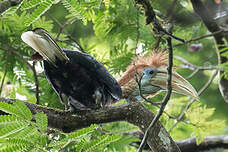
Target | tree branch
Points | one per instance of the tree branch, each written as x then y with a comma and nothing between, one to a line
189,145
151,18
201,37
191,66
134,113
209,143
61,28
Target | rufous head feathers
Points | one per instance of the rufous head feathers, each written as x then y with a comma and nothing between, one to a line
155,59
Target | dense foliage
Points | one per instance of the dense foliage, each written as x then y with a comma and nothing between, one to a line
114,32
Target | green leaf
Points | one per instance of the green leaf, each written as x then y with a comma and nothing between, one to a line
7,120
58,144
73,136
19,144
80,145
14,141
18,108
11,148
122,143
41,121
30,4
12,129
100,142
8,108
82,132
27,132
40,10
22,110
202,126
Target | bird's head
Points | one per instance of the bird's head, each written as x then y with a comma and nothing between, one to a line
43,43
152,74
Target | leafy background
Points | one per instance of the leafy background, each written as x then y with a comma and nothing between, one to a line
110,31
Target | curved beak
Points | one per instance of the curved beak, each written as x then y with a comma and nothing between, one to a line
179,84
40,40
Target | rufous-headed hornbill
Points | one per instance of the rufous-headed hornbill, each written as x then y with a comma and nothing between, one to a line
150,73
80,81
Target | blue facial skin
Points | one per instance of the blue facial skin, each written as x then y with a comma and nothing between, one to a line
148,73
146,87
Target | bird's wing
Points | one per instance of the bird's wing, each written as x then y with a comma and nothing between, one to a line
97,70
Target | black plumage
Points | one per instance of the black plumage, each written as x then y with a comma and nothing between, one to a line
80,81
80,78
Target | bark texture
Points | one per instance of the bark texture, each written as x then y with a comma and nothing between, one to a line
134,113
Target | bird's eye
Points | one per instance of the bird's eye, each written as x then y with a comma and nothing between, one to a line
151,72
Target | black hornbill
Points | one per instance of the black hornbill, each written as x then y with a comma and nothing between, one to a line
80,81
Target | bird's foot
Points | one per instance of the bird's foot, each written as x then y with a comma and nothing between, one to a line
98,99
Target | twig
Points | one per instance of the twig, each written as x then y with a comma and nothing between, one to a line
201,37
36,83
165,100
190,66
137,29
192,74
61,28
191,102
138,81
4,75
15,52
151,18
75,41
157,43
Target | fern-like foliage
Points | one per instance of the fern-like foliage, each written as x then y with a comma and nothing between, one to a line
17,130
30,4
198,118
69,138
40,10
99,143
41,121
202,126
85,140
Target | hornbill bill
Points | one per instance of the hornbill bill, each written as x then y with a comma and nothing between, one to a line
147,76
80,81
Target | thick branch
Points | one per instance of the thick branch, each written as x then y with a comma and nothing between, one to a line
209,143
134,113
189,145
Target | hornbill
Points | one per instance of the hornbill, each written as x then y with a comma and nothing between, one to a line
147,76
80,81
